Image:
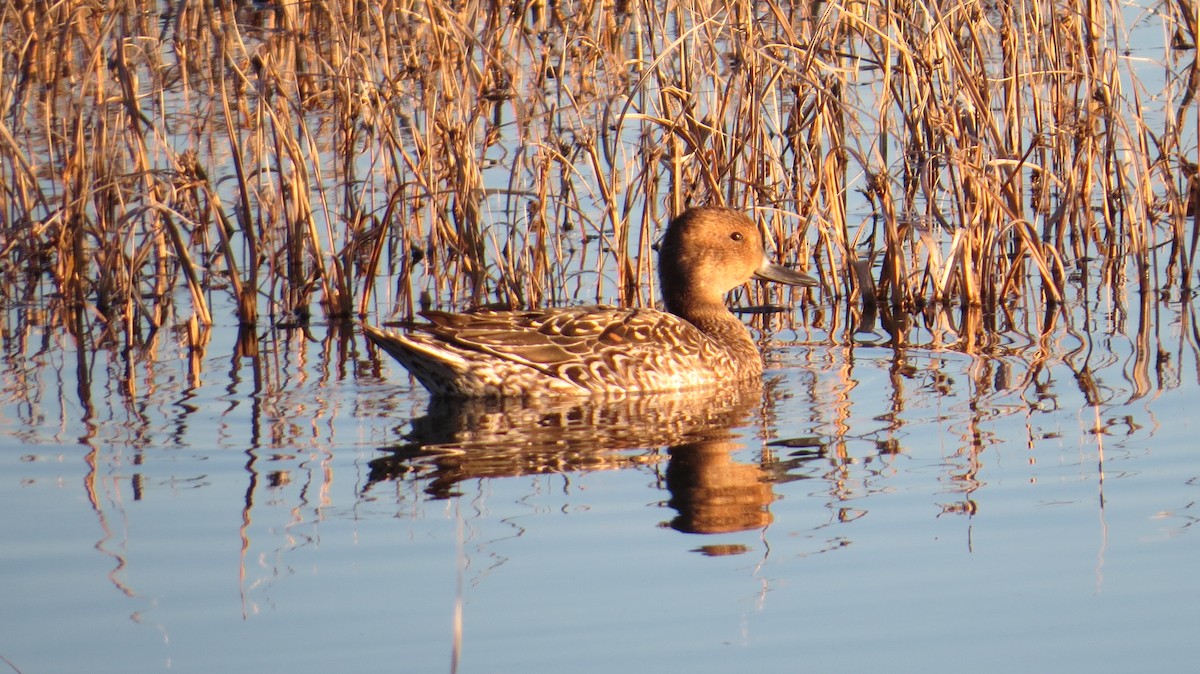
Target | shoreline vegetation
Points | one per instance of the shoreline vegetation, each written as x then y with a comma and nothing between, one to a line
966,166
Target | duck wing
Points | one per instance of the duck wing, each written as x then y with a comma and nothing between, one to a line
581,350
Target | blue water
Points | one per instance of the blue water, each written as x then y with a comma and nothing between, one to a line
1028,509
888,513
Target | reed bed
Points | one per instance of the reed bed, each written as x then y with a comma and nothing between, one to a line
951,164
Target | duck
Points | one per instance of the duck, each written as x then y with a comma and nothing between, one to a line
694,344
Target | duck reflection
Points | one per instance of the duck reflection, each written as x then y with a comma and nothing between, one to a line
457,441
714,494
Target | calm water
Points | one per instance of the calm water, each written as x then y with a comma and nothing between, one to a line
870,510
292,504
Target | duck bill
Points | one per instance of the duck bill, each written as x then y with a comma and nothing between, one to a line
769,271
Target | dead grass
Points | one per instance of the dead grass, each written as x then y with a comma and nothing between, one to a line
931,162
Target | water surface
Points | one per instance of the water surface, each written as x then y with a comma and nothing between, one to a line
870,509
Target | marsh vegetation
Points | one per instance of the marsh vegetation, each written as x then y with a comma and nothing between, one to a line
966,167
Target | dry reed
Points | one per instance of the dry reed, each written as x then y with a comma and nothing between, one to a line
938,163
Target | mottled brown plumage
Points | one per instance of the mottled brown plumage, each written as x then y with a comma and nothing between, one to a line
705,253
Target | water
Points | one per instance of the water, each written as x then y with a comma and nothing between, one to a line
290,503
871,509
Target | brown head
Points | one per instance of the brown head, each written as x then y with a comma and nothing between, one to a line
708,251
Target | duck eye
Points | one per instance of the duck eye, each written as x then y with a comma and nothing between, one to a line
736,236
